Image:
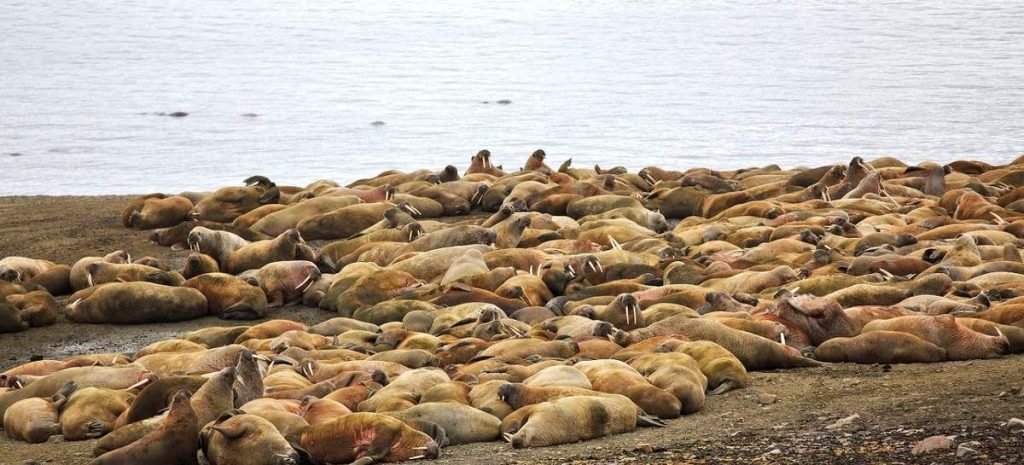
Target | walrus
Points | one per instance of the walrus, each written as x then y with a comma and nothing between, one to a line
959,341
217,244
412,383
462,424
283,281
269,329
38,308
879,347
215,336
613,376
571,419
250,218
91,412
366,438
160,213
173,443
134,303
756,352
343,222
227,203
198,264
20,269
676,373
238,438
103,272
35,419
177,237
289,245
278,222
86,376
56,280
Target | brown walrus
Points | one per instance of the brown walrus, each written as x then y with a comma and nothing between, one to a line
137,302
160,213
571,419
83,376
237,438
35,419
173,443
880,347
613,376
229,297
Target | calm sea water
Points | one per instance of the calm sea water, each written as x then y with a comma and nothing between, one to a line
676,84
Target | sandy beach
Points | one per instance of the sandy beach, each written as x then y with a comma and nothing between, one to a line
782,418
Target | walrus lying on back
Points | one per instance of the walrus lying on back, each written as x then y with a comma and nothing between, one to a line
572,419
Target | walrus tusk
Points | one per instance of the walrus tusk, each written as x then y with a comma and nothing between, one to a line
999,219
571,269
304,282
417,457
138,384
782,338
74,304
88,277
615,243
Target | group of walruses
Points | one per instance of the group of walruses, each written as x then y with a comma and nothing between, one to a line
570,304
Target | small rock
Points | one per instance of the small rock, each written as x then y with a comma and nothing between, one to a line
1015,423
964,451
15,154
503,102
843,422
35,358
178,114
377,123
250,115
774,451
31,462
766,399
934,443
644,448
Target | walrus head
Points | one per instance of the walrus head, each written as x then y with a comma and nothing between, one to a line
449,174
10,274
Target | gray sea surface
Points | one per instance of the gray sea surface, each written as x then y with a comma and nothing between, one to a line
292,89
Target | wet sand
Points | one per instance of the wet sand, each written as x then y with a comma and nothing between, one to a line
897,406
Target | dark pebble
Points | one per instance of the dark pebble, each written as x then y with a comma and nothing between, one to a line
178,114
504,102
35,358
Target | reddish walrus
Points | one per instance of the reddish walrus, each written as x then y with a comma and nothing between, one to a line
572,419
960,342
175,442
365,438
879,347
756,352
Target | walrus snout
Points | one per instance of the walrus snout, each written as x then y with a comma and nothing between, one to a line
10,275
